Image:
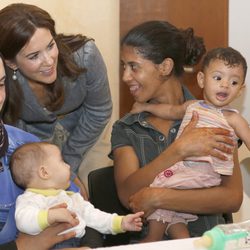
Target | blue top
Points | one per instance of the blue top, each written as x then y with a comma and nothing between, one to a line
81,119
8,189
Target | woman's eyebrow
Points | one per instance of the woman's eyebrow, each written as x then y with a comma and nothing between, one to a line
35,52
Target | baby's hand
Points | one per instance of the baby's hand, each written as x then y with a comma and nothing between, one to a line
132,222
61,215
138,107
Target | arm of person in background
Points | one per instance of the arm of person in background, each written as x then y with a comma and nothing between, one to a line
97,108
164,111
131,180
83,190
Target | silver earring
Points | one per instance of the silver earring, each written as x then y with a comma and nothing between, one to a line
14,76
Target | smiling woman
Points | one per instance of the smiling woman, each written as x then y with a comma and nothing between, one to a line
38,59
59,87
58,84
144,145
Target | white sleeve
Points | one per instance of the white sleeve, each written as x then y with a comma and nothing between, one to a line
26,215
95,218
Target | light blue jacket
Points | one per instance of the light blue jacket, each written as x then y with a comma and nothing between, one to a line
8,189
84,114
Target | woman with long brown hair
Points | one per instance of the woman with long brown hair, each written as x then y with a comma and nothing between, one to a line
58,84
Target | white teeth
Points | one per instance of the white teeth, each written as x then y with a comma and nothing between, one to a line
46,71
133,88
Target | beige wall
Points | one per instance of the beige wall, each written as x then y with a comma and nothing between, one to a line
239,38
98,19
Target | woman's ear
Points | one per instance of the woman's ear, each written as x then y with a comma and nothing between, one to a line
166,67
43,172
200,79
11,64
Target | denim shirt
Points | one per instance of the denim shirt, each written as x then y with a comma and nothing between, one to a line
134,130
81,119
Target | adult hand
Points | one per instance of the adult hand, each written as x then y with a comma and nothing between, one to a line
205,141
46,239
143,200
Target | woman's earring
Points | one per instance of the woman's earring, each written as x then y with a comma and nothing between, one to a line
14,76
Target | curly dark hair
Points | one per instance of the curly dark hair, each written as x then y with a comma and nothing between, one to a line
158,40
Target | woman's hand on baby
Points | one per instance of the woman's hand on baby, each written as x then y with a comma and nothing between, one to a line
132,222
62,214
205,141
144,200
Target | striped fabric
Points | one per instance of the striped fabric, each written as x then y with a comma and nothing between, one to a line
210,116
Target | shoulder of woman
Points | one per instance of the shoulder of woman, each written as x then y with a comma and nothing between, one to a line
19,135
87,48
127,120
85,52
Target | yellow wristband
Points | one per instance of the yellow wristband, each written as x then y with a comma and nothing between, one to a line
43,219
117,224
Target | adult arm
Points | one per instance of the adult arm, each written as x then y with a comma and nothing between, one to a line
96,109
130,178
225,198
164,111
46,239
83,190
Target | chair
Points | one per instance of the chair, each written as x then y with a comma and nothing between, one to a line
103,195
228,218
